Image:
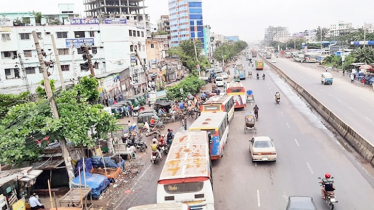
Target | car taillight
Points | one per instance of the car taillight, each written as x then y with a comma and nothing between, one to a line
256,153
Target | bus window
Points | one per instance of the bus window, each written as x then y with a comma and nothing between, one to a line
236,90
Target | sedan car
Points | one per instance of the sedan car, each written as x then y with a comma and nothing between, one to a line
262,148
224,75
273,61
301,203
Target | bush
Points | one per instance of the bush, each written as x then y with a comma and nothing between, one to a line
191,84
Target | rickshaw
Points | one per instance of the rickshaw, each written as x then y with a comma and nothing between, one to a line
250,121
165,106
117,114
146,116
250,96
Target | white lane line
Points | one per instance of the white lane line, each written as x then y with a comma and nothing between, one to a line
297,143
255,164
310,168
321,90
330,94
315,86
140,177
368,119
282,113
351,108
338,100
362,98
310,83
271,92
269,88
258,198
288,125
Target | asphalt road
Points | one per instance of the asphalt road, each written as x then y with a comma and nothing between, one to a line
306,150
351,102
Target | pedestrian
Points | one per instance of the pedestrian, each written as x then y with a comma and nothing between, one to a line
129,125
129,107
34,202
126,111
363,81
352,77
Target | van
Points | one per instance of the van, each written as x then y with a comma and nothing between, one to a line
219,81
326,78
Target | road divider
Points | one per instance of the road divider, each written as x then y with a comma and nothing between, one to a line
359,143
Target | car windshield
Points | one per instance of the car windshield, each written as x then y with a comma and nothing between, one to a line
263,144
218,79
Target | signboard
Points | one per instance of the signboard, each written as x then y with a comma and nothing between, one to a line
84,21
19,205
133,59
153,96
115,21
110,82
77,43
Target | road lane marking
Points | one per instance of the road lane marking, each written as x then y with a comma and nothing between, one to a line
321,90
362,98
368,119
282,113
258,198
351,108
269,88
285,195
310,83
288,125
310,168
315,85
330,94
297,143
255,164
338,100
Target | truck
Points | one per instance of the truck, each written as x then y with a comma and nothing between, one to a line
254,54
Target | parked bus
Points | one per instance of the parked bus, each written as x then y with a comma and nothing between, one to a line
218,126
254,54
162,206
236,90
187,174
241,71
223,103
259,65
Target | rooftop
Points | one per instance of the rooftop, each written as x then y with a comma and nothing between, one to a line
209,120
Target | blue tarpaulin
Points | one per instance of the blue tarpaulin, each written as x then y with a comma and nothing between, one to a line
79,166
97,162
96,182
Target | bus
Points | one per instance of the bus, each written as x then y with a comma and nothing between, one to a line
187,173
240,71
223,103
218,126
259,65
236,90
162,206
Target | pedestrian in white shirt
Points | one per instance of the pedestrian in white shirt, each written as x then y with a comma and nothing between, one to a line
34,202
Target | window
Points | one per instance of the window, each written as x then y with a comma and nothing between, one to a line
39,35
134,33
24,36
30,70
84,66
27,53
7,72
92,33
80,51
8,54
131,48
79,34
5,37
94,50
142,33
26,20
61,35
152,45
130,32
63,51
188,187
64,67
96,65
138,33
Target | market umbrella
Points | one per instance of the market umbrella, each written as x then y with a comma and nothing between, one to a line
367,67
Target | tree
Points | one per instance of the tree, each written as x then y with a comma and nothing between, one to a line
40,91
9,100
191,84
228,51
320,30
38,16
364,55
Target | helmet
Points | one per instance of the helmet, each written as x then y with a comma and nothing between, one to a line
163,135
327,175
154,141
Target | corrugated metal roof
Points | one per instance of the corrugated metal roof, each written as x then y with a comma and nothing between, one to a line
217,99
208,120
188,156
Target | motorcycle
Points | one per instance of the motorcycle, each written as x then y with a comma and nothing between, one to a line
159,125
152,132
258,77
140,145
155,157
277,100
263,77
330,196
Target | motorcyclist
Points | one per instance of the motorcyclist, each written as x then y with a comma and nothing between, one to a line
154,147
256,109
170,136
263,75
160,140
277,96
327,185
249,73
258,76
152,122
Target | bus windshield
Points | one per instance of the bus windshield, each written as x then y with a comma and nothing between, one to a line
235,90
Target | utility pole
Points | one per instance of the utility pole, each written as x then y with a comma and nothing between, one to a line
85,48
48,90
58,62
145,71
24,73
73,63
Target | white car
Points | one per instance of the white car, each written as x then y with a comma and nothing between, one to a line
219,81
262,148
224,75
273,61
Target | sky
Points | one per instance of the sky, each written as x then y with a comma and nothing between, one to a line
244,18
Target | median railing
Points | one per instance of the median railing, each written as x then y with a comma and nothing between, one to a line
359,143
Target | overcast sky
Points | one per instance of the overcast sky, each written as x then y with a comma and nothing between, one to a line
244,18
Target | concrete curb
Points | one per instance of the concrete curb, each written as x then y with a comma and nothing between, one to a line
359,143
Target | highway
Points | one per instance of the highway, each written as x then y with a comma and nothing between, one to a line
306,150
351,102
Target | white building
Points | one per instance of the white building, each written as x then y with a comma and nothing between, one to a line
112,46
340,28
278,33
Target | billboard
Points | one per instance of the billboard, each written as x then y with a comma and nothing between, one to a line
77,43
232,38
84,21
115,21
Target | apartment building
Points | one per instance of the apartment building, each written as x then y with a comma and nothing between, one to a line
157,48
164,24
186,21
340,28
207,42
110,53
278,33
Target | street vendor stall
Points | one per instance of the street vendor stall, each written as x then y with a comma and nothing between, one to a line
77,197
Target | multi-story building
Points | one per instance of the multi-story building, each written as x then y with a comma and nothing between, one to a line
131,10
207,44
19,60
164,24
276,33
186,21
341,28
157,48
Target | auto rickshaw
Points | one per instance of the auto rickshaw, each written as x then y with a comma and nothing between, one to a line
326,78
146,116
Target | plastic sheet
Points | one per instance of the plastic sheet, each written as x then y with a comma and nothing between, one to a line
96,182
79,166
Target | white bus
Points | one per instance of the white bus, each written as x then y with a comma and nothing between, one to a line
162,206
223,103
187,174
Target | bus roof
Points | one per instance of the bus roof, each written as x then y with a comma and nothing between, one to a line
234,84
208,120
218,99
188,156
159,206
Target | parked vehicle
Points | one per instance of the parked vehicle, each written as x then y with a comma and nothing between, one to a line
219,81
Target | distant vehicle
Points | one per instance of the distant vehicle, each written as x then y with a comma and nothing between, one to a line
241,71
259,65
236,90
326,78
273,61
288,54
224,75
311,57
262,148
299,58
254,54
301,203
219,81
218,70
268,55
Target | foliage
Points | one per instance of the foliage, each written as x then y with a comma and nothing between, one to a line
324,32
346,39
9,100
191,84
348,60
38,16
41,91
364,55
292,43
160,33
228,51
333,60
28,122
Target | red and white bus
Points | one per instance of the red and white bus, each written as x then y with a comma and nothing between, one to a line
237,90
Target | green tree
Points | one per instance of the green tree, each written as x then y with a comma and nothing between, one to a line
364,55
9,100
40,90
38,16
191,84
348,60
87,90
320,30
228,51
